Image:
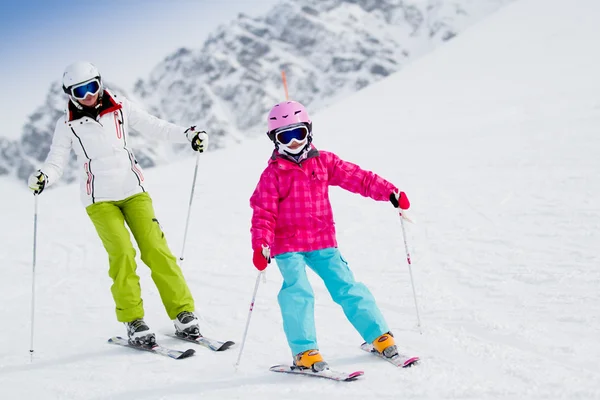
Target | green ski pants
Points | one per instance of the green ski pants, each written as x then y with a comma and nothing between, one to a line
137,211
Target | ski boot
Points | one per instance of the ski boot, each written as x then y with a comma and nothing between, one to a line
140,334
386,345
186,325
310,359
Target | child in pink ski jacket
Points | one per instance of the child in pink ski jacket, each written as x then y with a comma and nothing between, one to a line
292,222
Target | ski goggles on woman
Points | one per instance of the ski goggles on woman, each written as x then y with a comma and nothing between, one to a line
83,89
287,134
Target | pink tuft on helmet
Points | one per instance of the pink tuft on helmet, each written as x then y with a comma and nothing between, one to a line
287,113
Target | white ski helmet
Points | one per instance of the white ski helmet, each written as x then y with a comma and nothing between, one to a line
77,73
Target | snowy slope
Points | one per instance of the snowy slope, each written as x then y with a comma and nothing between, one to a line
494,137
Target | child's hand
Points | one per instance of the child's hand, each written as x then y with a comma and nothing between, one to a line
399,200
261,257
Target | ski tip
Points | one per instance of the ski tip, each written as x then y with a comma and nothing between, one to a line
355,375
279,367
366,346
186,354
226,345
411,361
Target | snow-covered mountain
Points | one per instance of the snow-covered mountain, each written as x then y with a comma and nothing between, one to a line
328,48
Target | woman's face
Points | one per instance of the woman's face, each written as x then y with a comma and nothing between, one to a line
89,100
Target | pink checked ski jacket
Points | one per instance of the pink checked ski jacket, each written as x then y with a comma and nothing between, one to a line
291,208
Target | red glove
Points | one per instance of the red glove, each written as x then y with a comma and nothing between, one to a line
399,200
261,257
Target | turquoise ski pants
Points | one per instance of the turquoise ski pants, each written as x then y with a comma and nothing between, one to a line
297,303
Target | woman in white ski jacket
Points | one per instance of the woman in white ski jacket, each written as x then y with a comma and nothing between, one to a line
96,126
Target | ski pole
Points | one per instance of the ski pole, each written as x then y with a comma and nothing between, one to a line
237,364
410,270
187,221
35,221
285,87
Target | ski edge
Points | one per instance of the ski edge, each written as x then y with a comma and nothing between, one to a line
207,342
407,361
158,349
329,374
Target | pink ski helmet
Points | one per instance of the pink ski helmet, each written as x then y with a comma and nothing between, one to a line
285,114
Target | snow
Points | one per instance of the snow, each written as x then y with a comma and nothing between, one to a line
494,138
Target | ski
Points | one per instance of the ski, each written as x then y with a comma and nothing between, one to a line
157,349
214,345
326,374
399,360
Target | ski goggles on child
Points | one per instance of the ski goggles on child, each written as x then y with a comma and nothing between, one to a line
286,134
83,89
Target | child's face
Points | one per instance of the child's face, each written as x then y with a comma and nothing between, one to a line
295,145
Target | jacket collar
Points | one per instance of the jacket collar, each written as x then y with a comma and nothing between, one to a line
107,104
287,163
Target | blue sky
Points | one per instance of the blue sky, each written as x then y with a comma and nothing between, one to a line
125,39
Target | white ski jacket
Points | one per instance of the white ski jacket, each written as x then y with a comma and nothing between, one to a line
108,170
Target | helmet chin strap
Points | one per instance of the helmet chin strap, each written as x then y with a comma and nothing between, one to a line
76,103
